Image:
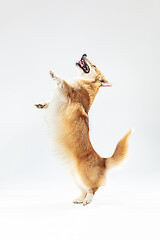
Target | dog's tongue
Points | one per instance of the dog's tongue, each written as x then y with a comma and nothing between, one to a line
81,63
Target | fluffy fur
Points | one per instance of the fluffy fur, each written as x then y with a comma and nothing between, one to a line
68,123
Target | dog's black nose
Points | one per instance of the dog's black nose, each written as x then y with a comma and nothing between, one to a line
84,55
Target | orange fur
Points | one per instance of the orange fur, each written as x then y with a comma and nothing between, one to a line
73,132
120,151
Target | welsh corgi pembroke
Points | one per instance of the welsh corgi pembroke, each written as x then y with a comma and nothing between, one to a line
68,124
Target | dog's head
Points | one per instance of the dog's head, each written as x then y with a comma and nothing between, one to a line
91,73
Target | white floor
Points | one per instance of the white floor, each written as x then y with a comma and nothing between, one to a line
117,212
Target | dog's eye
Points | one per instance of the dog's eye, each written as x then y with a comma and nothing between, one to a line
94,66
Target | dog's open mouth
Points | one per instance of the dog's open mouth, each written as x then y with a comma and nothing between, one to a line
83,64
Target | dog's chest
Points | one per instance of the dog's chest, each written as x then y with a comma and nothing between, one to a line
54,113
56,128
54,118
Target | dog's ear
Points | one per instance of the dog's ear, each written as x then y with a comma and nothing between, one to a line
104,82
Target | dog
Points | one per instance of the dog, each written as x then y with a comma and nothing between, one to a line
68,124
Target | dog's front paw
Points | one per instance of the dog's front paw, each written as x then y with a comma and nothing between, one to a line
58,80
52,74
39,105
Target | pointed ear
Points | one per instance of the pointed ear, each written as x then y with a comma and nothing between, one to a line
104,82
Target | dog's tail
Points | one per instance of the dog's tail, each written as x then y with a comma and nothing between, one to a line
120,151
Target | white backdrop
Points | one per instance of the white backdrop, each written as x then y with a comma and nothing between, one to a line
120,37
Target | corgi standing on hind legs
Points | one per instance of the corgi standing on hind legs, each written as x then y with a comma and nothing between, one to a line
68,123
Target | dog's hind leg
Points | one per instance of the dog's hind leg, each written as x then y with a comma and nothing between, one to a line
80,198
89,196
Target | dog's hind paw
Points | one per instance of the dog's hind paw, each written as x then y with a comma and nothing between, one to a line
88,199
78,201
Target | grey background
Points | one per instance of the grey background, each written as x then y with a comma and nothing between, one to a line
122,39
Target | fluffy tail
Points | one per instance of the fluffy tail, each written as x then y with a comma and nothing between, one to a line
120,151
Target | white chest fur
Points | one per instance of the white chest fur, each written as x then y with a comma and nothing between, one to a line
54,124
53,119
